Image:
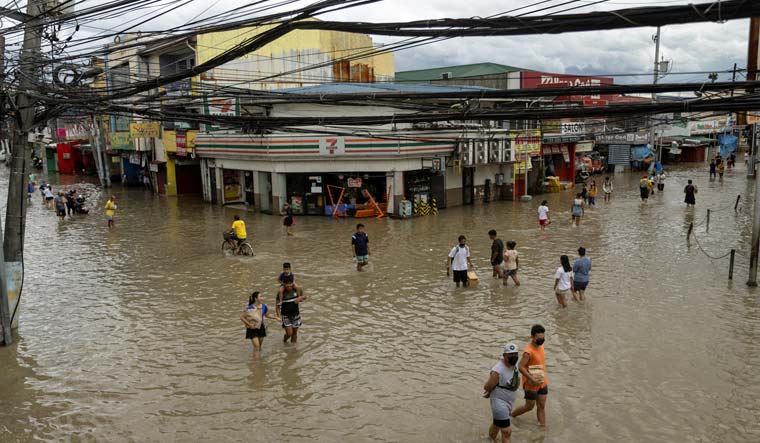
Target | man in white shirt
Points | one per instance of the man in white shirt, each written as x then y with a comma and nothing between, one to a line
459,261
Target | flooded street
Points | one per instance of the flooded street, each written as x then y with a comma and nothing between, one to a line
134,334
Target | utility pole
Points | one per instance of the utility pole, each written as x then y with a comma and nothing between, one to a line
656,39
755,246
752,54
5,308
99,162
15,216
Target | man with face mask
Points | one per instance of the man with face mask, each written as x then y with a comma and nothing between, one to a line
501,389
533,368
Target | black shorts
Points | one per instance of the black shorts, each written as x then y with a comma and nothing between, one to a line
580,286
260,332
288,221
532,395
502,423
497,262
460,277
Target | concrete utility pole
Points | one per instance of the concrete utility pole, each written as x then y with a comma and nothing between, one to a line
5,309
99,161
753,47
755,246
15,216
654,95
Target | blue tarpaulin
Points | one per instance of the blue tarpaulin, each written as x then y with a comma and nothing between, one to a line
728,144
640,152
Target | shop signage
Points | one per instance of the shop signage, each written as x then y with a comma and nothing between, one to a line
153,167
549,138
573,128
222,106
145,130
630,138
355,182
538,80
74,128
121,141
519,166
703,127
584,146
181,144
330,146
436,164
527,146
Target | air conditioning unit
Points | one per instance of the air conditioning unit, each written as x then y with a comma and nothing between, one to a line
466,153
509,152
495,151
481,152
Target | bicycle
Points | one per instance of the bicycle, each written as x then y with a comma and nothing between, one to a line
244,248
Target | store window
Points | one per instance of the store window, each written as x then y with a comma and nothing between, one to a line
233,189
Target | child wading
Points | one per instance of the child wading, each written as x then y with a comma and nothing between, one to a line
543,215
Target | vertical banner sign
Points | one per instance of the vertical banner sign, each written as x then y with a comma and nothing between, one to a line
181,143
13,274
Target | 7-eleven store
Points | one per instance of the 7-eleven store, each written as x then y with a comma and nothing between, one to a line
263,172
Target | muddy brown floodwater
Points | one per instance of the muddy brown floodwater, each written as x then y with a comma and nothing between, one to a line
134,334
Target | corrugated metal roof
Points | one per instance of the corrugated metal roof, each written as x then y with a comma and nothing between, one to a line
459,71
369,88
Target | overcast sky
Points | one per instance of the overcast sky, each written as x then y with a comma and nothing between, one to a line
699,47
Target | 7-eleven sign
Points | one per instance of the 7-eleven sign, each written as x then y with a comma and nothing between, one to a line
332,146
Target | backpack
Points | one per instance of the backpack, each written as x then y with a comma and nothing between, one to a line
643,184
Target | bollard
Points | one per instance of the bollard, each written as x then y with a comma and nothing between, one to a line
736,205
707,229
691,228
731,265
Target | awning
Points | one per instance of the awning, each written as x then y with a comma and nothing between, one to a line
157,162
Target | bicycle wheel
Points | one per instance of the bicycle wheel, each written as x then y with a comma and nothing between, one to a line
227,248
246,250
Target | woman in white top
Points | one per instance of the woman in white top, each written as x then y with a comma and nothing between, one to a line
607,187
501,389
563,281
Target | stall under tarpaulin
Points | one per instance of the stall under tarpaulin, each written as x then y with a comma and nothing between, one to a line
639,153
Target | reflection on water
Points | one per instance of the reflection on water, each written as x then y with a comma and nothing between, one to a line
134,334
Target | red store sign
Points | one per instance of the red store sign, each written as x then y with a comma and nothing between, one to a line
539,80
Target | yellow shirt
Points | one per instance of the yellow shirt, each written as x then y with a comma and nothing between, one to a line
110,207
239,227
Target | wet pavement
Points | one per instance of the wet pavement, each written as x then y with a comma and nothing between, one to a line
134,334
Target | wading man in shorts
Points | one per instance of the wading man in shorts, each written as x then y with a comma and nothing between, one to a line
459,261
288,302
532,366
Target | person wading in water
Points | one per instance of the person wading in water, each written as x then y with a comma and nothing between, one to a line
533,369
288,309
501,389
